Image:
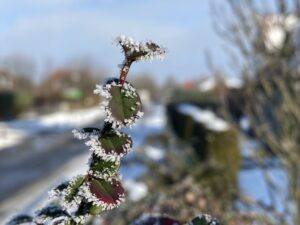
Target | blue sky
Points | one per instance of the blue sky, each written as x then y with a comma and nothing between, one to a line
62,30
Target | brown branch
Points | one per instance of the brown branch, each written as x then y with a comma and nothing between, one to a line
124,71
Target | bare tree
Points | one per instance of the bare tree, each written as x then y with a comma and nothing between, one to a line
264,37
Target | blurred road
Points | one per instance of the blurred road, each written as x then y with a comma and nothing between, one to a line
33,159
32,162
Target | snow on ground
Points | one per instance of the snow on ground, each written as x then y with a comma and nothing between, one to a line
154,153
136,190
14,132
156,117
233,82
205,117
207,85
10,137
36,195
210,84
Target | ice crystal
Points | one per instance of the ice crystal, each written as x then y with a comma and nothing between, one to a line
135,50
81,134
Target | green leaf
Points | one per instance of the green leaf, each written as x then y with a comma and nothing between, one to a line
95,210
124,107
115,143
86,208
100,165
74,188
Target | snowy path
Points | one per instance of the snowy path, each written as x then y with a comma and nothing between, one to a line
32,164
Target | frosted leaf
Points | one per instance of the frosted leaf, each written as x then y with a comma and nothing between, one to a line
101,91
85,209
104,194
204,219
135,50
103,169
110,146
59,190
73,188
21,220
123,106
50,213
84,133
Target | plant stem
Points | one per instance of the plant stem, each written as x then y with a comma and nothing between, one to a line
124,71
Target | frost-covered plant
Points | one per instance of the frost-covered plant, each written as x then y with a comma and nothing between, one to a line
100,188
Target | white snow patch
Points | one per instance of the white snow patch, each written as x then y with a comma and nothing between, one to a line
211,83
156,118
154,153
233,82
10,137
245,123
77,118
205,117
136,190
207,85
275,28
14,132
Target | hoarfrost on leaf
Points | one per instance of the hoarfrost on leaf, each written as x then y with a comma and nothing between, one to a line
135,50
123,105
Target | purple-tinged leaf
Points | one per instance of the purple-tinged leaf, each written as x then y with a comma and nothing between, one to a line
109,194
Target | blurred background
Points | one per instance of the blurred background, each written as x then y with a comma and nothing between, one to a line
221,132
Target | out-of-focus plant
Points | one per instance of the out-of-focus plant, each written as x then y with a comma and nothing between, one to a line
265,37
177,191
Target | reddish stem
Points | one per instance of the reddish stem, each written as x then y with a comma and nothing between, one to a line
124,71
